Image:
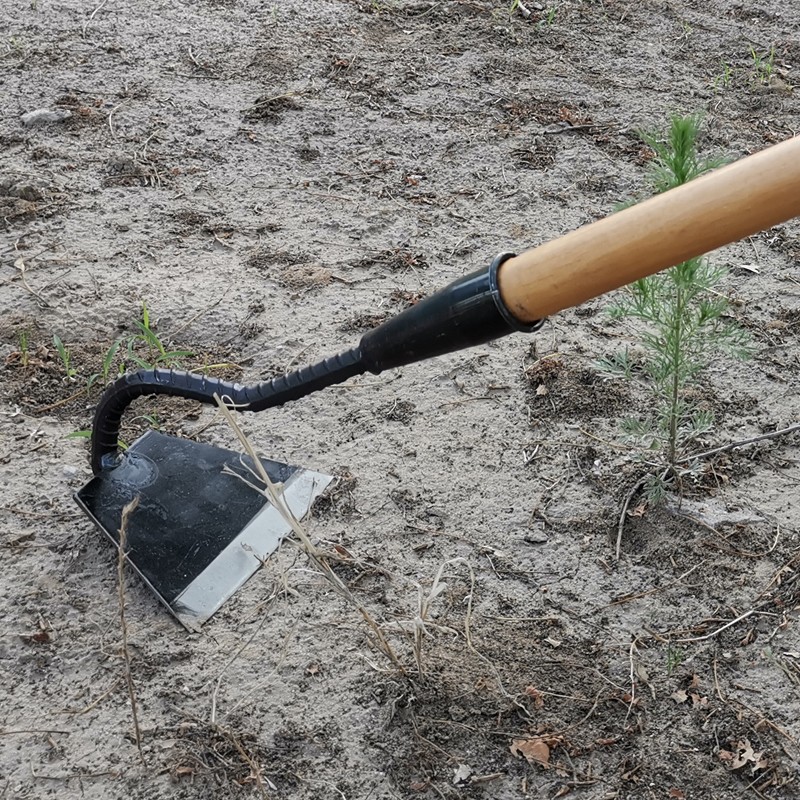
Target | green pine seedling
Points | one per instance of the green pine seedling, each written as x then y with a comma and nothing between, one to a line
684,323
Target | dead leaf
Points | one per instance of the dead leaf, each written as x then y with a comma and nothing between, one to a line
680,696
606,742
542,390
534,751
743,756
639,511
630,700
748,638
678,794
40,637
695,682
697,700
536,696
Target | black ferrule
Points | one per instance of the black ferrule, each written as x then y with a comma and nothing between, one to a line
468,312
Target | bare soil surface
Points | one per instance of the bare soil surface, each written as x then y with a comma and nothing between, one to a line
273,179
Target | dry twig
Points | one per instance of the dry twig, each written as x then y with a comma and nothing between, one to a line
628,497
235,655
123,535
316,557
20,265
742,443
91,17
718,630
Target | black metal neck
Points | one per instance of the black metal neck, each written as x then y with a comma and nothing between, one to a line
468,312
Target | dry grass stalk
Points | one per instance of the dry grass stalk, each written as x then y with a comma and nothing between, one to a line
420,625
236,654
317,558
123,536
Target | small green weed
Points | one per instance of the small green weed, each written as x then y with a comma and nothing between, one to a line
674,658
683,316
145,349
159,355
86,433
548,19
151,419
763,65
15,46
24,348
105,369
63,354
724,79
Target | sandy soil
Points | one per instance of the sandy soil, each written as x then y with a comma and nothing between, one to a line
273,179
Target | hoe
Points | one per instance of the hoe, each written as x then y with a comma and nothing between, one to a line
199,532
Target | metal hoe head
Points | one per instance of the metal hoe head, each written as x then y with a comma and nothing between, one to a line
201,528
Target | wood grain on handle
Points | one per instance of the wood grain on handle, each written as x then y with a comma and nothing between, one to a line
731,203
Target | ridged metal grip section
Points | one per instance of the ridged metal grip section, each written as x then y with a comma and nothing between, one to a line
176,383
303,381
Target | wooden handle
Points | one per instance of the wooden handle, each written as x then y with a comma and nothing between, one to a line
731,203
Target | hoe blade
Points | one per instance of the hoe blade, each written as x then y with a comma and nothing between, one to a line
198,532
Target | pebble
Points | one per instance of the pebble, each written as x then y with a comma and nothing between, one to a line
44,116
535,537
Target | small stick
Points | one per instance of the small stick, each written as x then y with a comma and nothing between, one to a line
646,593
631,651
766,721
62,402
272,492
716,681
718,630
268,100
638,485
562,731
746,553
524,10
91,17
108,119
20,265
742,443
97,700
233,658
123,535
776,576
